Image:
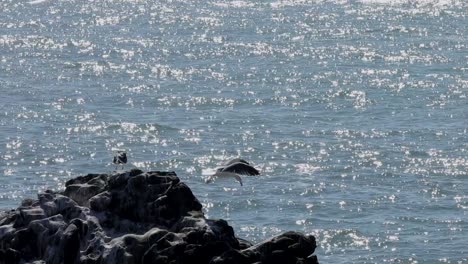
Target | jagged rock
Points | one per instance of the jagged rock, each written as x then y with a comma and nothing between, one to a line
132,217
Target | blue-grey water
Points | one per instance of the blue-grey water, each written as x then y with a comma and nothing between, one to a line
355,111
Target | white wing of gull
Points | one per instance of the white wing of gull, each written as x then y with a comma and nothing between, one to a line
234,170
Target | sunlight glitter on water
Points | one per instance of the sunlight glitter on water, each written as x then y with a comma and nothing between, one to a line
354,111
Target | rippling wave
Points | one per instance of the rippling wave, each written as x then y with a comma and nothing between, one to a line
354,111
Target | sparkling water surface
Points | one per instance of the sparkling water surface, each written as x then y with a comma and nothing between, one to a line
356,112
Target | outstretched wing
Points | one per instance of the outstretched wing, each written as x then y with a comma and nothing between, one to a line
241,168
236,160
226,174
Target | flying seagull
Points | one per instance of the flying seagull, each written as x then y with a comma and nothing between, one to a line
120,158
234,168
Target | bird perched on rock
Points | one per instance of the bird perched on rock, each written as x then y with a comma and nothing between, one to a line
120,158
234,168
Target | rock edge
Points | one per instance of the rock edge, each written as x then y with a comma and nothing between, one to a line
133,217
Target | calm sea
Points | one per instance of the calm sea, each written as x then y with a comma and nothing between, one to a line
356,111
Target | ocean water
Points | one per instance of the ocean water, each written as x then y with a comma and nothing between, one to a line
355,111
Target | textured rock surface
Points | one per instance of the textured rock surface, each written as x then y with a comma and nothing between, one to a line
132,217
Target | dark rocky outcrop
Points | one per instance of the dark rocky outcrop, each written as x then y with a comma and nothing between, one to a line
132,217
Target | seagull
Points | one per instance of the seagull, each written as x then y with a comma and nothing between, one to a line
234,168
120,158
